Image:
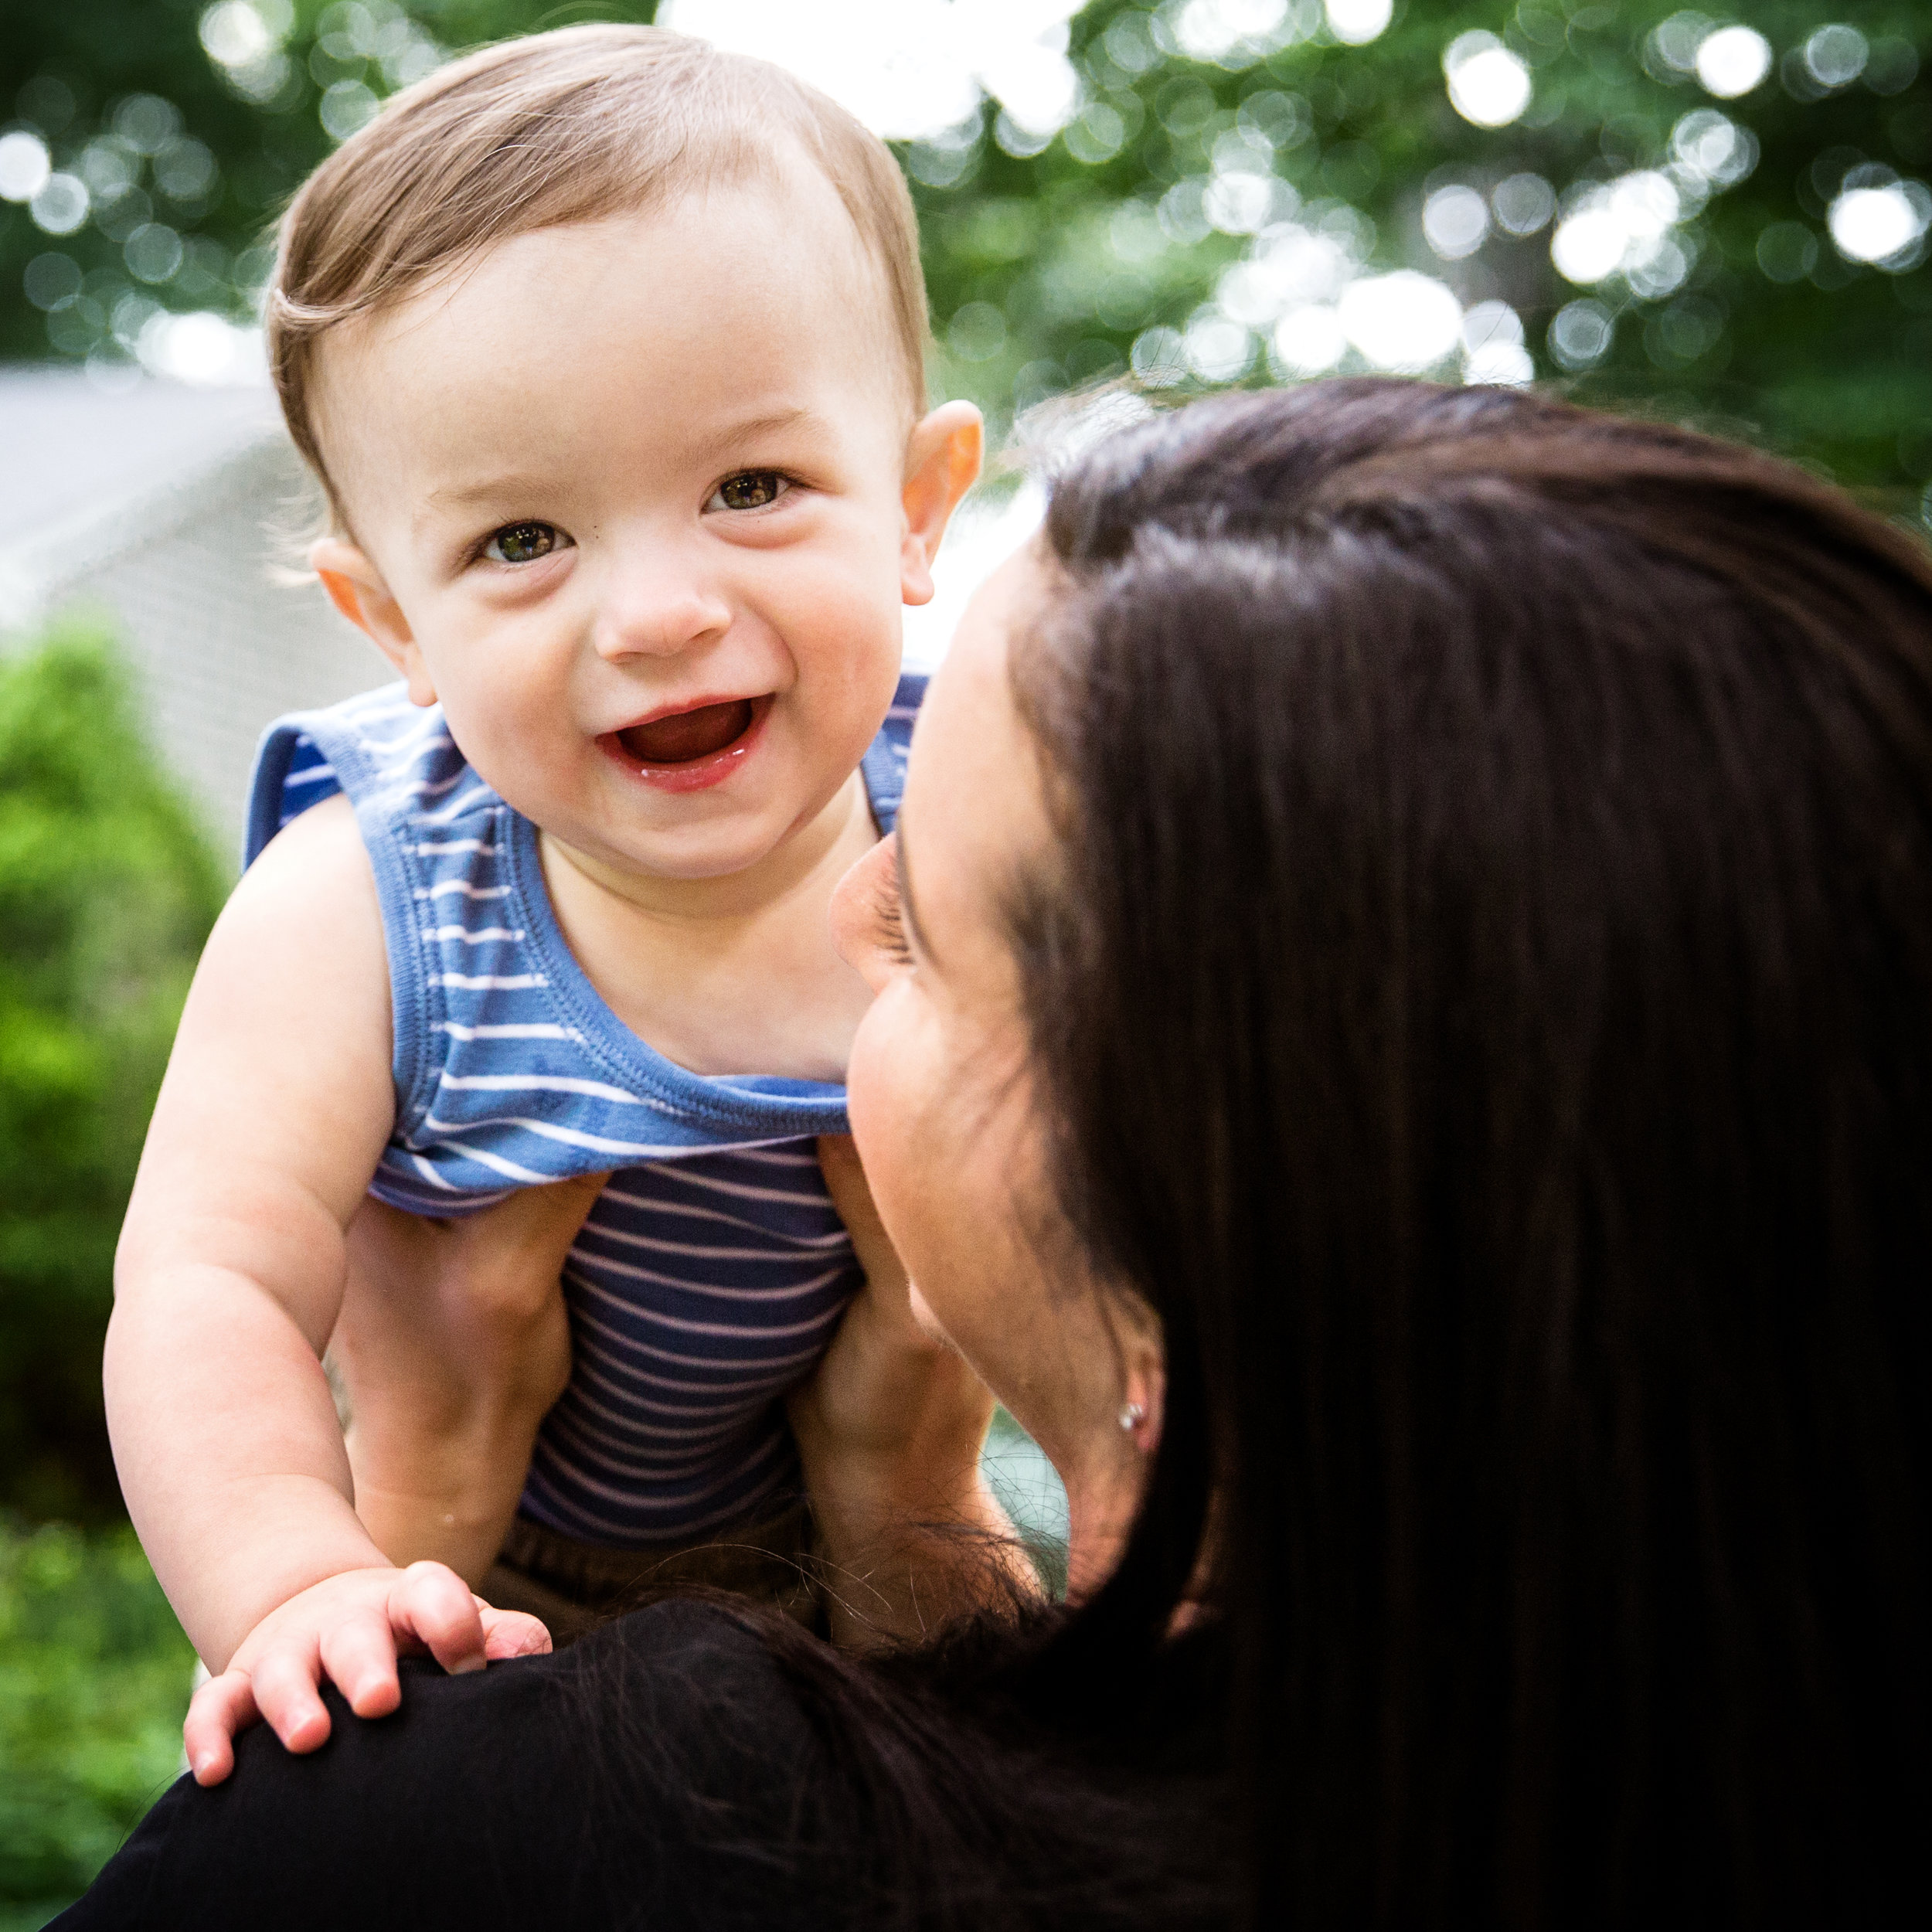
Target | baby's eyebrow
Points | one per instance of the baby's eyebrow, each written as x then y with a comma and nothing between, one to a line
732,431
495,488
767,422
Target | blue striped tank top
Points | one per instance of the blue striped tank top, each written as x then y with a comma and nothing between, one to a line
711,1272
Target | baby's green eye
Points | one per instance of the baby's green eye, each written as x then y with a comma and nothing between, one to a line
749,490
524,543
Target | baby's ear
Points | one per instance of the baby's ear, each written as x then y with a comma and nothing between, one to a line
942,463
356,589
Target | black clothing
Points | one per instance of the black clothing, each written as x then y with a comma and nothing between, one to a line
662,1772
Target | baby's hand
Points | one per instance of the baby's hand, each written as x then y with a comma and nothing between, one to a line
350,1628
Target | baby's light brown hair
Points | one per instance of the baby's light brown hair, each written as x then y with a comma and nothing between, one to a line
572,126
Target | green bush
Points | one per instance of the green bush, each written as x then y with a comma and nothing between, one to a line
94,1676
107,889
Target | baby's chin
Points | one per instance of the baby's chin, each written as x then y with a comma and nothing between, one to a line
712,837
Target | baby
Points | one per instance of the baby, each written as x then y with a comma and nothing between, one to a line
607,348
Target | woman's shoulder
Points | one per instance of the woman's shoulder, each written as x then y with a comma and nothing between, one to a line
654,1770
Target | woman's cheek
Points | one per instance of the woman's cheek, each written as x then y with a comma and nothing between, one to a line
881,1077
908,1105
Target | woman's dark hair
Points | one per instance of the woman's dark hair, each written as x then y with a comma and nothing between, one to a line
1483,1006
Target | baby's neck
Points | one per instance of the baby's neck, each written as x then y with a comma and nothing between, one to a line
735,974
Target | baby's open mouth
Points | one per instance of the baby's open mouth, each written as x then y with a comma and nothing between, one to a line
690,735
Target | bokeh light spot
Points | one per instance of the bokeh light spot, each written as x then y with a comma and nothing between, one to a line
1580,333
1238,204
1493,351
1355,23
1488,85
1308,341
1219,349
1404,322
234,33
1732,61
1835,55
147,123
1455,222
153,252
1877,224
1622,226
909,69
61,205
25,165
51,280
243,38
977,332
201,348
1589,246
1524,203
1712,144
347,105
1159,357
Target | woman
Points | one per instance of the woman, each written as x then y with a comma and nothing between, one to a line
1403,1054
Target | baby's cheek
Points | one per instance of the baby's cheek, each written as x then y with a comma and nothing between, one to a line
832,723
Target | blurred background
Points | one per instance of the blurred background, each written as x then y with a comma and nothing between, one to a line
1721,218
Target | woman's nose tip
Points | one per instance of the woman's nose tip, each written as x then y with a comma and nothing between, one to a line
856,900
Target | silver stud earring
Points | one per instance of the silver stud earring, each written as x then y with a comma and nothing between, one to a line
1132,1415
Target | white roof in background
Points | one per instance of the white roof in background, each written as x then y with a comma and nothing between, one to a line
67,445
87,471
153,507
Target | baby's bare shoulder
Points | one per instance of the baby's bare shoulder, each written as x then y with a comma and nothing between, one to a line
323,845
309,901
278,1089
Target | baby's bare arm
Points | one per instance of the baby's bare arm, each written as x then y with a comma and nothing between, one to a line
451,1345
275,1108
890,1428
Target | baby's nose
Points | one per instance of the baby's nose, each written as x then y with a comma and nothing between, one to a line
658,620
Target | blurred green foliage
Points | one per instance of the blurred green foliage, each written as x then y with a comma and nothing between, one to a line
1055,259
94,1677
1830,359
131,101
107,889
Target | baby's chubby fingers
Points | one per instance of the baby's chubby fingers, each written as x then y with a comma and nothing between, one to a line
285,1675
359,1656
512,1633
223,1706
432,1604
349,1628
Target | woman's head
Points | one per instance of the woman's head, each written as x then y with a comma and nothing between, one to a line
943,1098
1471,940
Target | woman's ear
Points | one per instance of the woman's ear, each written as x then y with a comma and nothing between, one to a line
942,463
356,589
1144,1410
1143,1371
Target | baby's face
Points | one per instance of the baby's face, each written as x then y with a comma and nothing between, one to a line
632,490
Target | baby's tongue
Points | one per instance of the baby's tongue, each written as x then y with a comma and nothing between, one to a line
691,734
